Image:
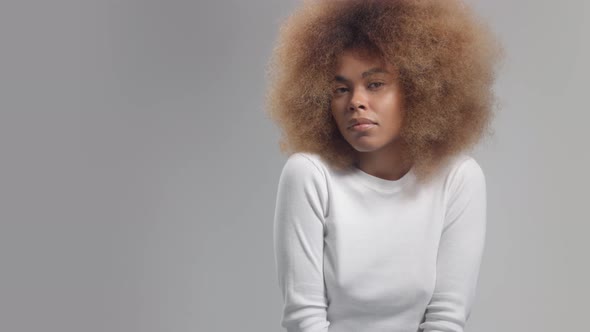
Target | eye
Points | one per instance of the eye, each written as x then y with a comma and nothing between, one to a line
376,84
340,90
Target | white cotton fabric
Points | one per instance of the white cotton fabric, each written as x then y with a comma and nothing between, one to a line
358,253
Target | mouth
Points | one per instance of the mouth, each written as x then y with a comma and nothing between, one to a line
360,123
362,126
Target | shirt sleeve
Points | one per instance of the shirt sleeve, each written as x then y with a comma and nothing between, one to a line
299,244
460,251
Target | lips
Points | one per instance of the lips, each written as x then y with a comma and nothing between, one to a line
357,121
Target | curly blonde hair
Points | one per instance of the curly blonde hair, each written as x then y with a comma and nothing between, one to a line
447,59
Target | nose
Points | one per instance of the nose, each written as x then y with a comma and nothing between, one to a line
358,100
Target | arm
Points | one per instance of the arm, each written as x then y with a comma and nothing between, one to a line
298,245
460,251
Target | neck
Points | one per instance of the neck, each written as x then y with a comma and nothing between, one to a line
388,163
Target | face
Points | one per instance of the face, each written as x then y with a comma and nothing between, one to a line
366,88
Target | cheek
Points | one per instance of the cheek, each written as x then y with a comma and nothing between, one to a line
336,111
336,104
392,107
391,100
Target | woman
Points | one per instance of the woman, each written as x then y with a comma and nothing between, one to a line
380,213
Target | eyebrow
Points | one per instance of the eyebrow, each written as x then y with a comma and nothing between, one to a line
369,72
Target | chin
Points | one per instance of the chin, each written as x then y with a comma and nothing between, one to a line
365,149
365,146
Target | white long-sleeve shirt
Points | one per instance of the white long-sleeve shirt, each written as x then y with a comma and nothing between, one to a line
359,253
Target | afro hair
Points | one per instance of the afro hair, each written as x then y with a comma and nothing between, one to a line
447,59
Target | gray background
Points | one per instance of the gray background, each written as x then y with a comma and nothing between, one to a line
138,171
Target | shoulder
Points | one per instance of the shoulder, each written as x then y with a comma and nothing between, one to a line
304,164
470,169
464,167
465,177
303,178
303,167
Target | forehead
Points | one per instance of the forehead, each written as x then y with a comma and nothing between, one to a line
356,60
